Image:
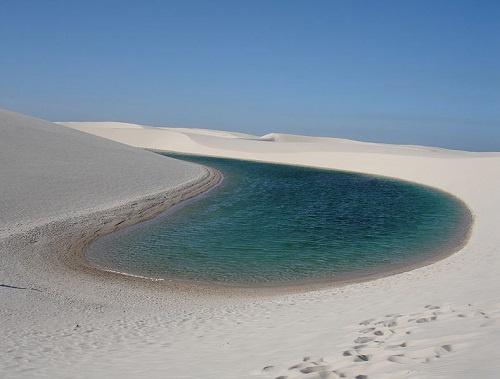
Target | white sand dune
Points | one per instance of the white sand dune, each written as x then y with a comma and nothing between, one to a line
57,171
438,321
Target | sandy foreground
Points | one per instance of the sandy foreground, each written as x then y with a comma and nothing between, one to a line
61,188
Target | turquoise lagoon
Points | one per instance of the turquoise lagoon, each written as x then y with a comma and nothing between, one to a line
276,224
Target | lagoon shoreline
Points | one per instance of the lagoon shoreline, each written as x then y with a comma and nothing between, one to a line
453,245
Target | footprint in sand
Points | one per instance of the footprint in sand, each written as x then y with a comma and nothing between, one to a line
362,358
400,358
298,366
363,339
367,322
310,369
442,350
388,342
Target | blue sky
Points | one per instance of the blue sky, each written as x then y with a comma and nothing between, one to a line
421,72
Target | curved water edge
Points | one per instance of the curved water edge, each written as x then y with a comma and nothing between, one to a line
363,225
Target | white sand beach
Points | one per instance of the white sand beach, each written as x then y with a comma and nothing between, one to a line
62,186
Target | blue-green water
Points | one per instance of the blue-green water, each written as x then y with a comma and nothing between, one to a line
273,223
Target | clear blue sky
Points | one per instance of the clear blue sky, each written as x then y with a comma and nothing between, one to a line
422,72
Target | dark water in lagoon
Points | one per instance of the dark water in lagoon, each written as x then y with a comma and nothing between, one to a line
274,223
